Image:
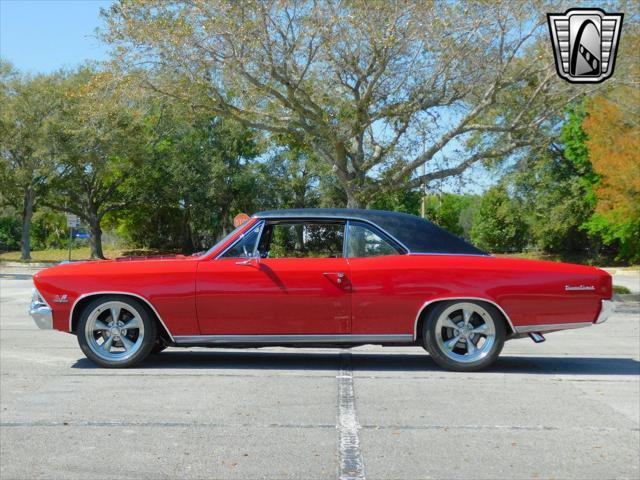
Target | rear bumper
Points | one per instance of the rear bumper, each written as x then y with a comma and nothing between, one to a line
41,312
606,310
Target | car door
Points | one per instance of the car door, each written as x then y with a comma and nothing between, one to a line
281,278
382,282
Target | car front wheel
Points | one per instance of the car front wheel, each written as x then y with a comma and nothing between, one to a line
116,331
464,335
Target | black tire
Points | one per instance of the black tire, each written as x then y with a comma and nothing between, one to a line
157,348
143,348
443,358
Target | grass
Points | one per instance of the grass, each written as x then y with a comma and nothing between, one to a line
620,289
53,255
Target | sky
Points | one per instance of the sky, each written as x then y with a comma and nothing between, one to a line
41,36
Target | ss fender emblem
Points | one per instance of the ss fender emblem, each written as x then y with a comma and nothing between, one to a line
61,298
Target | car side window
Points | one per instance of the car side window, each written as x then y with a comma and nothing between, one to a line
302,240
245,247
363,242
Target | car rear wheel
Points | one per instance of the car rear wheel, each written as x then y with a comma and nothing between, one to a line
158,347
116,331
464,335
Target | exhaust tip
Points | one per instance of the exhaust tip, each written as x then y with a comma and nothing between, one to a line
537,337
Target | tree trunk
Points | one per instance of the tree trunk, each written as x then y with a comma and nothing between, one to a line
352,199
27,213
96,238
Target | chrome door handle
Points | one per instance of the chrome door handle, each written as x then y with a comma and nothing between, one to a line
339,276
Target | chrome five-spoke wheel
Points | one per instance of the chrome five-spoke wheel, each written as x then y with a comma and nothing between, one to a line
116,331
464,335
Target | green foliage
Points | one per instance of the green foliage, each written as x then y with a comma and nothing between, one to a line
407,201
49,230
621,290
623,233
555,201
101,136
452,212
573,140
498,223
9,232
195,181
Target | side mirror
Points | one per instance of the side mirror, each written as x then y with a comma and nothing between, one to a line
250,262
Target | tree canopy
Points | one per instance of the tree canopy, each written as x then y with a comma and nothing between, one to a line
378,89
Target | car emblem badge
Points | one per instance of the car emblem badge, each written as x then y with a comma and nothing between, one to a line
585,43
570,288
61,298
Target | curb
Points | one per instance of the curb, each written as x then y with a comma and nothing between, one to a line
622,271
626,297
28,264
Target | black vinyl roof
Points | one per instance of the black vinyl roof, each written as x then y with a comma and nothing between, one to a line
414,233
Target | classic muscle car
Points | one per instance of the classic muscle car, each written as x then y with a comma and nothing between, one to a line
320,277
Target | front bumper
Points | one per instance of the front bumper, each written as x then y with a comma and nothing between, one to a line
41,312
606,310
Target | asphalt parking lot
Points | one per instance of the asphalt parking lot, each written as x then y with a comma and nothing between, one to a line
567,408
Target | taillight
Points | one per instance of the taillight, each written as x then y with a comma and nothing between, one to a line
606,284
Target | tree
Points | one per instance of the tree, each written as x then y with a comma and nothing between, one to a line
614,142
26,159
101,135
295,173
498,223
553,186
198,175
451,211
361,83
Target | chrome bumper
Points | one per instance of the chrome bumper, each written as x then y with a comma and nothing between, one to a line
606,310
40,311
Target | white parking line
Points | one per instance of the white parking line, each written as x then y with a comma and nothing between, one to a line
350,462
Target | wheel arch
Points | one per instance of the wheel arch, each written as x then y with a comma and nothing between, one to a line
84,299
431,304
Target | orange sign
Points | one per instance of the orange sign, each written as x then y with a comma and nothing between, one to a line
240,219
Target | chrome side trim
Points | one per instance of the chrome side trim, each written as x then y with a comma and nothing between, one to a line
40,311
280,339
445,299
606,310
111,292
549,327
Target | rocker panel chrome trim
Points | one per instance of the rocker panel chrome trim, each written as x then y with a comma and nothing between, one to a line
282,339
551,327
446,299
111,292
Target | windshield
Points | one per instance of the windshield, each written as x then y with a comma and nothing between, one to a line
226,237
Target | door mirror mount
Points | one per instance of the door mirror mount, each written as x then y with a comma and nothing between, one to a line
251,261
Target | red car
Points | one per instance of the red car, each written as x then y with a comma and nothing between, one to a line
320,277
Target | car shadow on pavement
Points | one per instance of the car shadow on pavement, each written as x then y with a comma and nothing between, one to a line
374,362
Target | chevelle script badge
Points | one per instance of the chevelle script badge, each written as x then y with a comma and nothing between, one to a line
569,288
